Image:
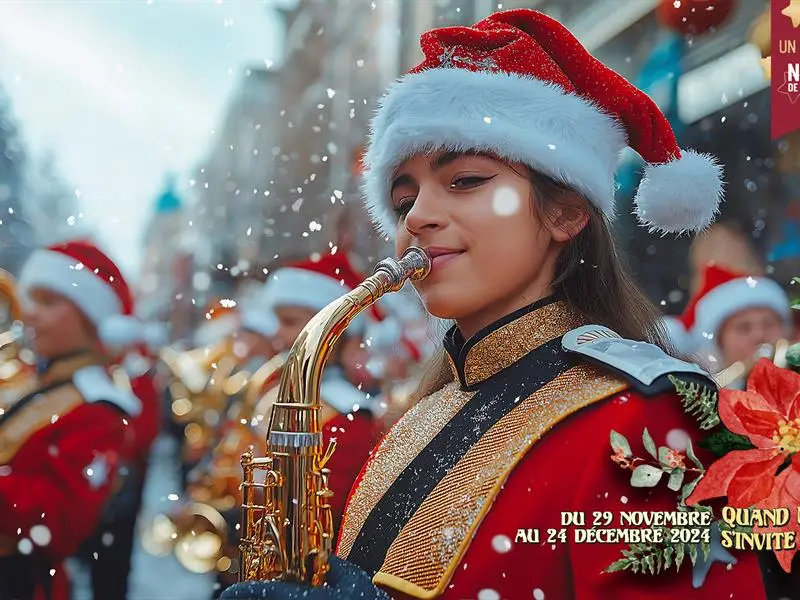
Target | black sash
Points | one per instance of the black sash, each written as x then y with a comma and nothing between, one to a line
494,398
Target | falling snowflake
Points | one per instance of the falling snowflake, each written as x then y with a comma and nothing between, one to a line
501,544
677,439
506,201
97,472
41,535
25,546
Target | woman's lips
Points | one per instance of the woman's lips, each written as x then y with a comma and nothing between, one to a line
439,261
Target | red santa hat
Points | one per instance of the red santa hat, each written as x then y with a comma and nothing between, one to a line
82,273
724,293
313,284
519,85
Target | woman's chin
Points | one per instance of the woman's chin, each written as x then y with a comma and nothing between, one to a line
444,303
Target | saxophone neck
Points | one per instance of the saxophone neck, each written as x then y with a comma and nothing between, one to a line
303,370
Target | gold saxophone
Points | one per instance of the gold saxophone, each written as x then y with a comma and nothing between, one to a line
287,532
197,533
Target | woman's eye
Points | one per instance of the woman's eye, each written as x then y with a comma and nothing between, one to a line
465,183
403,206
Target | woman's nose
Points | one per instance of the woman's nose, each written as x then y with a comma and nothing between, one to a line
428,212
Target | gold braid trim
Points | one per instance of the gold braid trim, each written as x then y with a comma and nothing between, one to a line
37,414
422,559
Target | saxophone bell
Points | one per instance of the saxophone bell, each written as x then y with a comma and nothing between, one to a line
287,523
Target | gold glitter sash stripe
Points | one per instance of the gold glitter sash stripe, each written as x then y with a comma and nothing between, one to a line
405,440
422,559
509,343
34,416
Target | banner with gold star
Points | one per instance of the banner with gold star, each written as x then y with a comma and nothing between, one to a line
785,67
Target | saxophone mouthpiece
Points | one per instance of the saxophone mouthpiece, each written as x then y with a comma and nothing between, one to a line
417,261
415,264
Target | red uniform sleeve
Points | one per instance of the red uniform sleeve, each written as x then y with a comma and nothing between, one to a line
604,486
61,478
355,439
147,425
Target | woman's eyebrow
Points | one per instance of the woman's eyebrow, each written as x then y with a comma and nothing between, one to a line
447,158
402,180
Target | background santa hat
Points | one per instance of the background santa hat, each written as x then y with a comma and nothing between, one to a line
310,284
313,284
722,294
519,85
82,273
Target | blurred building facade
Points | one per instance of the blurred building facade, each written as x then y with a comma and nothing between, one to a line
37,206
17,238
165,242
303,132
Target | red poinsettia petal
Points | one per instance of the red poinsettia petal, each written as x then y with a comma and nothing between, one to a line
718,476
779,387
785,494
758,423
753,482
731,405
785,556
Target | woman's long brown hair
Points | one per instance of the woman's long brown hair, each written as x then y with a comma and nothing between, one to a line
590,275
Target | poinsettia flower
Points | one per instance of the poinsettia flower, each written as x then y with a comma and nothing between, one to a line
768,414
785,494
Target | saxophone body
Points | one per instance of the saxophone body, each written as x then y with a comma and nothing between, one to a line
198,533
286,524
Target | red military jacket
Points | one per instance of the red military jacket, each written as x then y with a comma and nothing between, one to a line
59,447
451,501
349,417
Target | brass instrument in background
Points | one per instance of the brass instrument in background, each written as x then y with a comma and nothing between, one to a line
201,381
198,533
17,363
287,533
740,370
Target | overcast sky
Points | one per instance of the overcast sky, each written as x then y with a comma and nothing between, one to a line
125,90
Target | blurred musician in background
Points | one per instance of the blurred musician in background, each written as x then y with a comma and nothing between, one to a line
734,318
62,442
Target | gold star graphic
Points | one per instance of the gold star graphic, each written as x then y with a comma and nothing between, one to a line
793,12
766,64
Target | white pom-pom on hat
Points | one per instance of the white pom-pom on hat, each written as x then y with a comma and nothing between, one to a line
384,335
680,195
122,332
261,320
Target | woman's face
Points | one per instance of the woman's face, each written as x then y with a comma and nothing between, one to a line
57,326
291,321
473,215
742,334
250,345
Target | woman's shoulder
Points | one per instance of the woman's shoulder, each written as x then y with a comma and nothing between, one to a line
648,369
662,394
